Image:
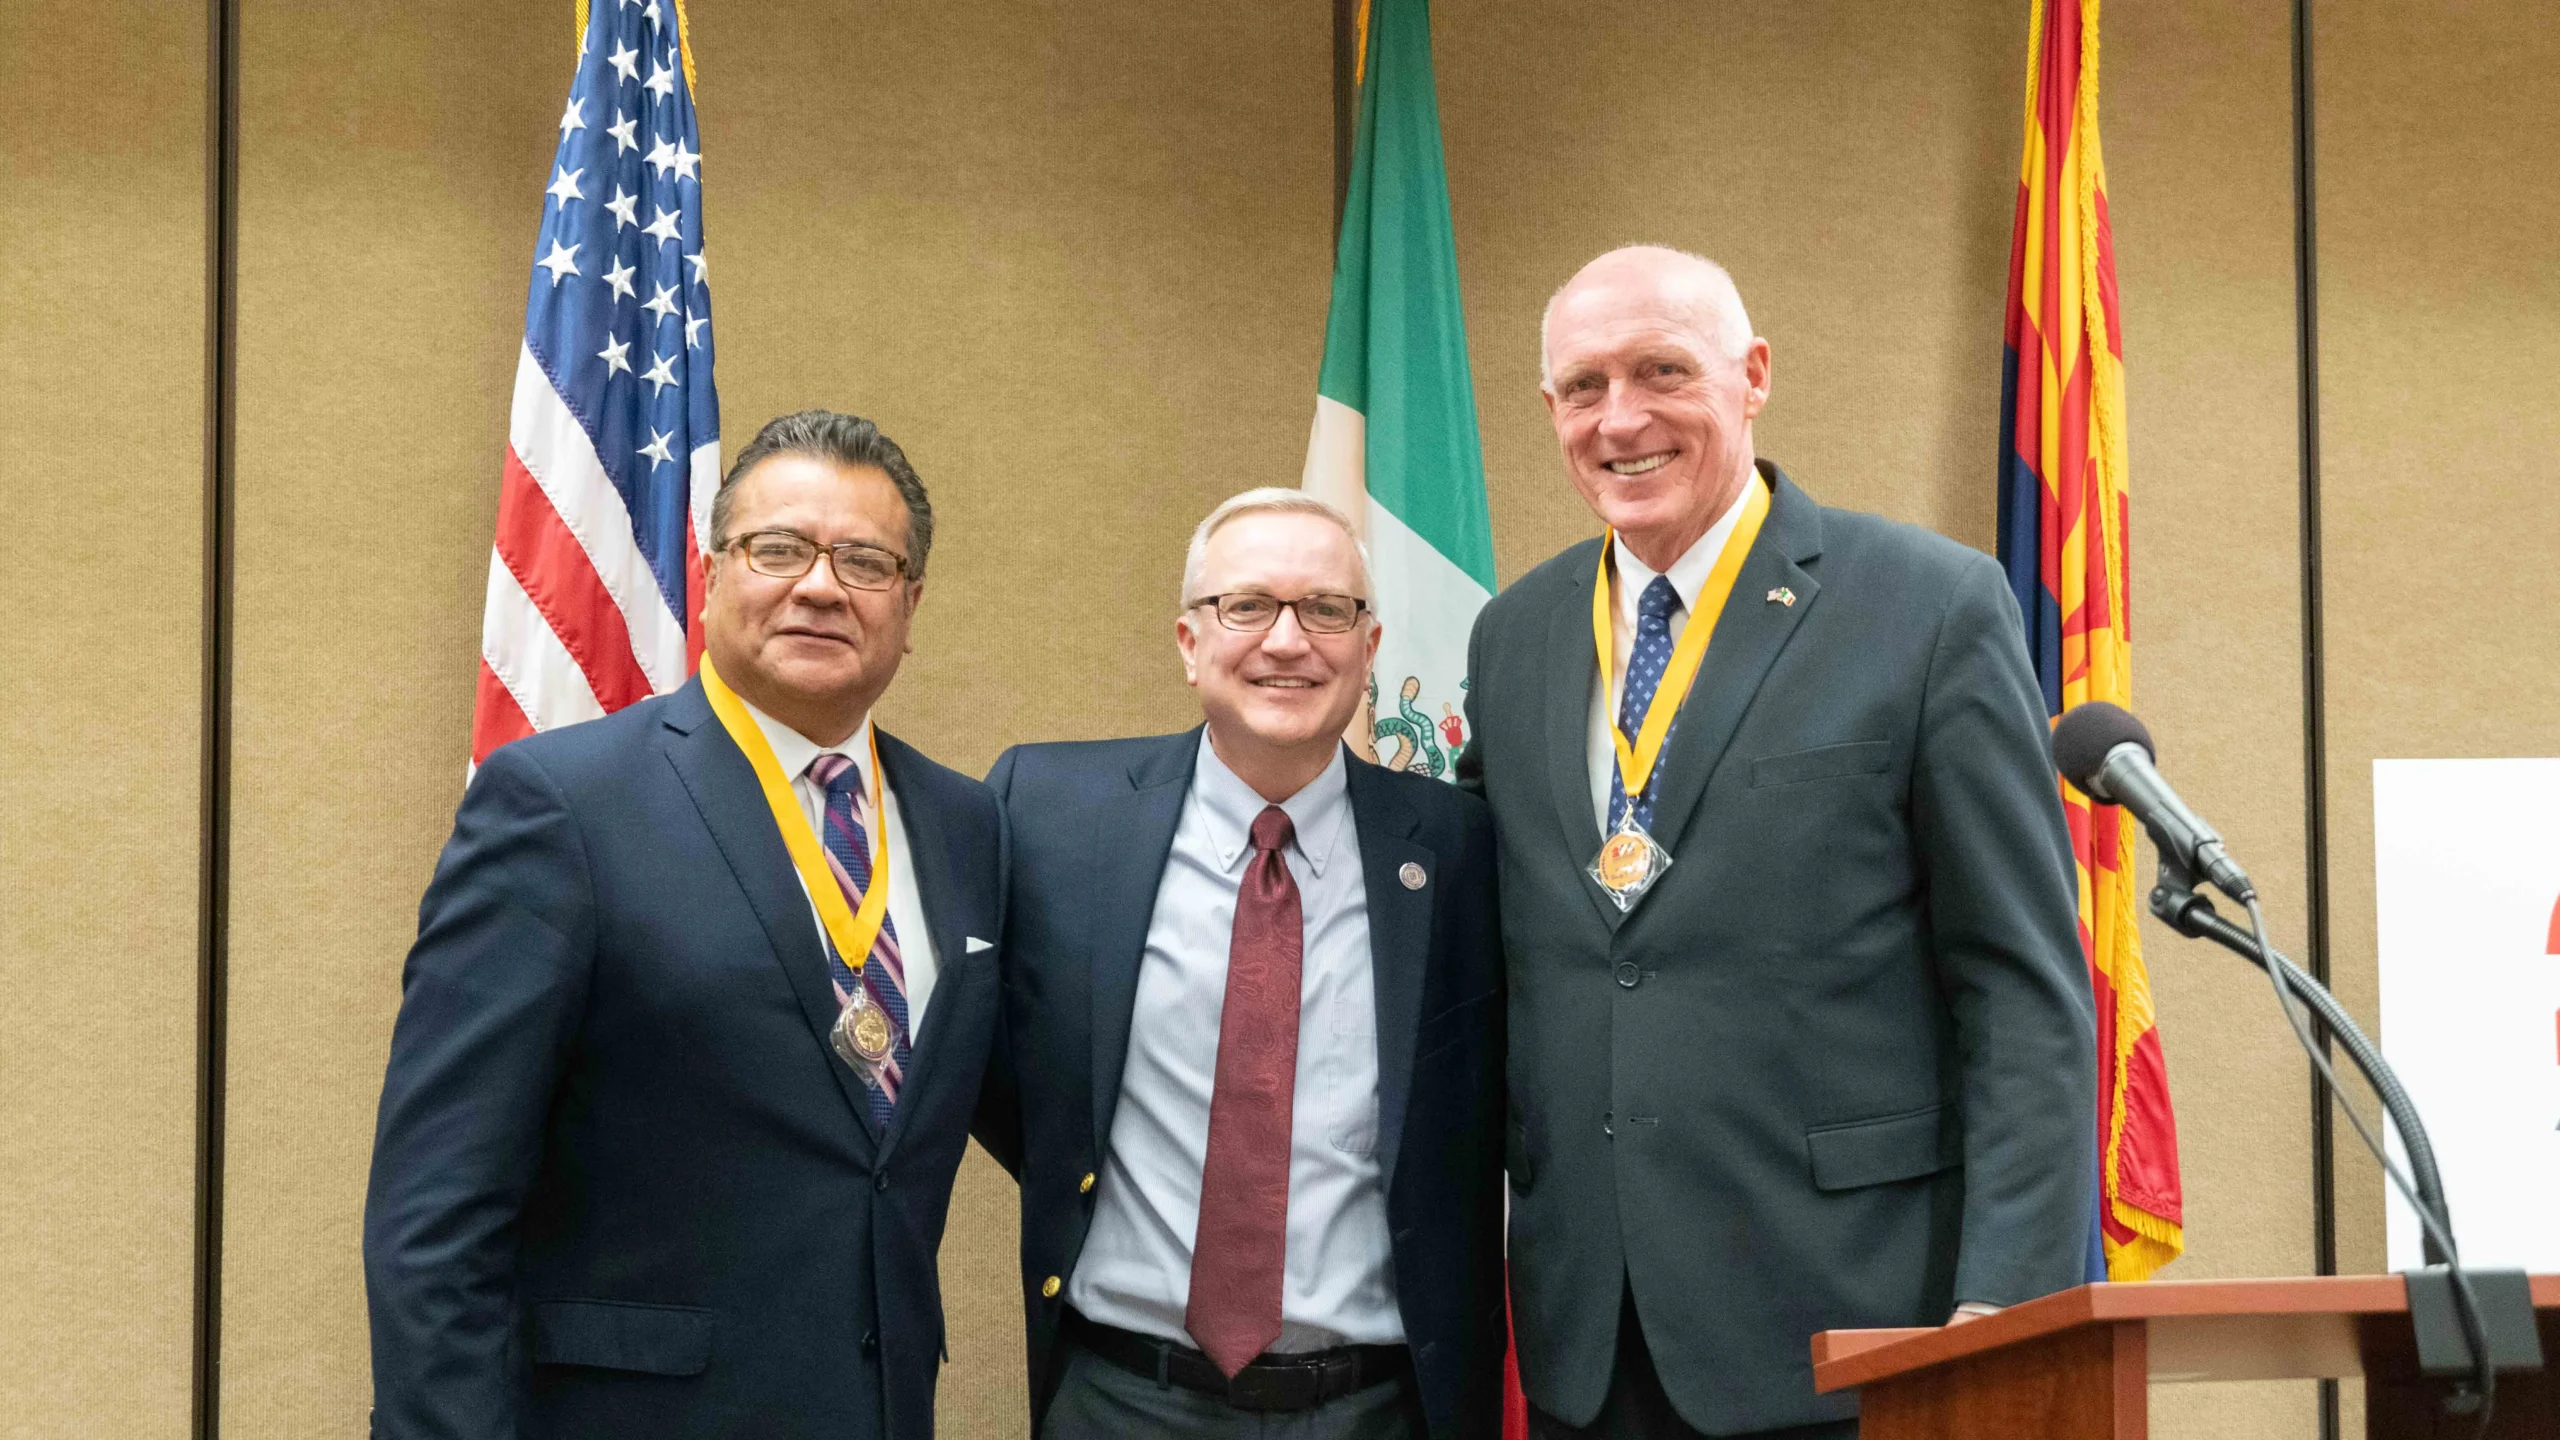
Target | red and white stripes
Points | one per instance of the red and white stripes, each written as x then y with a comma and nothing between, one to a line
575,626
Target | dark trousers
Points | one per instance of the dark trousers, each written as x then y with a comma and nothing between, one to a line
1098,1400
1637,1408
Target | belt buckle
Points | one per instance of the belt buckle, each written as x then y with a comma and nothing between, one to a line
1279,1386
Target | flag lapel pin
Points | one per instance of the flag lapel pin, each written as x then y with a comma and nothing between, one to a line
1783,596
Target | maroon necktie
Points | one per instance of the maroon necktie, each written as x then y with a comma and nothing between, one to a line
1237,1256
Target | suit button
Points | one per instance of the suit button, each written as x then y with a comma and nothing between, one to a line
1049,1288
1085,1185
880,1181
870,1342
1628,974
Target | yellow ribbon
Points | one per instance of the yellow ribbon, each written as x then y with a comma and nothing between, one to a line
1635,762
852,931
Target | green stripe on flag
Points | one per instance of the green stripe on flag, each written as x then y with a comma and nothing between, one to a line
1396,338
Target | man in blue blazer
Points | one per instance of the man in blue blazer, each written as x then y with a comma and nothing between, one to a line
653,1158
1253,1085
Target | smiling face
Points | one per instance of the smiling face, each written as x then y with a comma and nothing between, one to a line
813,652
1280,695
1652,411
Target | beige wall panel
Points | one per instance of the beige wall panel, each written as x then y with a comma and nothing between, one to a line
102,265
1854,165
2197,117
1074,259
387,157
2440,493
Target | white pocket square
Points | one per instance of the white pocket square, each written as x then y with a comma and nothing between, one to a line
976,945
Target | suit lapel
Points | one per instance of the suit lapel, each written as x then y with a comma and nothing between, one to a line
1399,940
724,790
1575,665
1749,635
929,851
1132,836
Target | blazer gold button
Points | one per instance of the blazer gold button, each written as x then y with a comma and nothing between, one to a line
1049,1288
1085,1185
1411,875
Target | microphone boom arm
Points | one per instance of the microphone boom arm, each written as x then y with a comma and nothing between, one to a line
2175,901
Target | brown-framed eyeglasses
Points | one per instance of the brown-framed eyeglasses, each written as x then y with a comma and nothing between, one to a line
787,555
1317,614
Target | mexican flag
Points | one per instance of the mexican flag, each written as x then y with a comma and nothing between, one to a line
1395,431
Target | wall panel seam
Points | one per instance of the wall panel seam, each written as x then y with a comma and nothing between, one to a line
213,863
2315,767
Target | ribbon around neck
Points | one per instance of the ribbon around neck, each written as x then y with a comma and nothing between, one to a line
1635,761
852,931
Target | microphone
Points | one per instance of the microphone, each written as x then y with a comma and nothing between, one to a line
2107,753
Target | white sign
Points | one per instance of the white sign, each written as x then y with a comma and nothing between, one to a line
2466,861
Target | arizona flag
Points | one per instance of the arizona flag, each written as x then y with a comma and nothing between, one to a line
613,443
1395,442
2063,512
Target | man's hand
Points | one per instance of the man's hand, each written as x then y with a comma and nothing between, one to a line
1971,1310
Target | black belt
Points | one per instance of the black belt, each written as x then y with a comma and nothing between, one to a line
1273,1382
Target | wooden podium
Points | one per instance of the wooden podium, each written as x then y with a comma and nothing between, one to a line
2078,1365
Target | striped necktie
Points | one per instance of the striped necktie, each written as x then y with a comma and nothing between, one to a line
885,974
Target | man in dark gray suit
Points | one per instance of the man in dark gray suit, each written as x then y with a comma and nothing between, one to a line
1800,1030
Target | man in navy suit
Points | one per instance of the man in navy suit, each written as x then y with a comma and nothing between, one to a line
657,1156
1253,991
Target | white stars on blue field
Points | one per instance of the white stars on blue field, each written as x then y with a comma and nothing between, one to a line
608,288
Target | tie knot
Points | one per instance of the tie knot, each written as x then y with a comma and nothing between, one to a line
1271,828
830,768
1658,600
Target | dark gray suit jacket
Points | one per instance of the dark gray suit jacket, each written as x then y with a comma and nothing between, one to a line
1837,1068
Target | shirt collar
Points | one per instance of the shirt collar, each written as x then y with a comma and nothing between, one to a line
1229,806
792,751
1688,573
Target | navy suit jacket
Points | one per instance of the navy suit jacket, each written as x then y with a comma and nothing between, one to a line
621,1186
1092,824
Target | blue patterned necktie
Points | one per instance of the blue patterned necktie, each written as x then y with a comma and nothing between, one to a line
884,975
1645,664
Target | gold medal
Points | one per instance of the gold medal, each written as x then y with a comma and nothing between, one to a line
862,1034
1629,863
1630,860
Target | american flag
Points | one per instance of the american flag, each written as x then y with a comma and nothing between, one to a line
613,444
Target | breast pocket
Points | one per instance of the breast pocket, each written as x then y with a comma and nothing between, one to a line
1351,1074
1824,762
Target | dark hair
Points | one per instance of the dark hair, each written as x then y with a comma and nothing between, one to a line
847,440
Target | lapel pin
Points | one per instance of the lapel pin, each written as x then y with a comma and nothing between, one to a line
1783,596
1411,875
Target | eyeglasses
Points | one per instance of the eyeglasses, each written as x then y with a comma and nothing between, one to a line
788,556
1317,614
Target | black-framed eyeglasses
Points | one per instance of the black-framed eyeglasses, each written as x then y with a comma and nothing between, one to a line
1317,614
787,555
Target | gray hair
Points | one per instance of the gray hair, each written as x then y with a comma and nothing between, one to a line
847,440
1713,305
1273,500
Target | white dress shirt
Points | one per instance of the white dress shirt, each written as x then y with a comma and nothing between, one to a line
1337,1283
795,752
1688,576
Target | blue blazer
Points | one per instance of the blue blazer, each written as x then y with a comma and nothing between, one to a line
1092,824
621,1186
